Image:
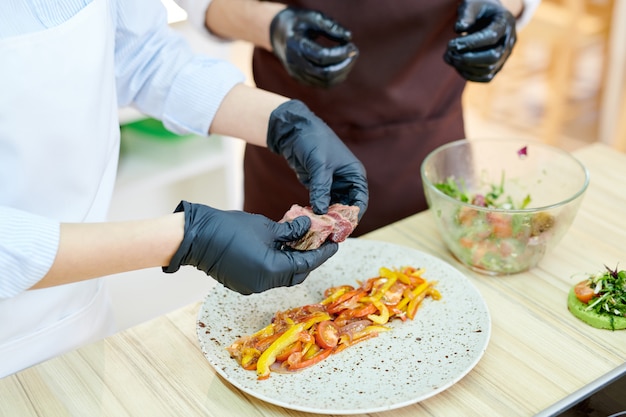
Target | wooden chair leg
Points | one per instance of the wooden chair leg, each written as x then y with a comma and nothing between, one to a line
560,76
619,141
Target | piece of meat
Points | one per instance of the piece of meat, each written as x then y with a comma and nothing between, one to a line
336,225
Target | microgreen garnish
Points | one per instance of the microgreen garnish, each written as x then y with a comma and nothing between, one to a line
494,198
610,292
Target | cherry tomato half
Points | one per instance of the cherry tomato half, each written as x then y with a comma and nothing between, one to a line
327,334
584,292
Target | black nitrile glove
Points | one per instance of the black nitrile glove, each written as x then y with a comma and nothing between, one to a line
487,38
294,34
322,162
244,251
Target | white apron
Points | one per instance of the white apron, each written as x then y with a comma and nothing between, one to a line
59,137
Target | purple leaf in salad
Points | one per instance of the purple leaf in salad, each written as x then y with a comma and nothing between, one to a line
523,152
479,200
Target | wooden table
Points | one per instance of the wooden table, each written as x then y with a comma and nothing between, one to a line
538,352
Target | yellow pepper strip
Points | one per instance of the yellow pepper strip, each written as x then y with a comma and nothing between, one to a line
414,304
381,318
249,355
390,281
268,357
414,293
307,347
318,317
417,272
403,278
367,333
311,352
264,332
370,329
383,271
434,293
334,296
378,294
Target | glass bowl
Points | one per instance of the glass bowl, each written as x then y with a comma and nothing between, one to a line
501,204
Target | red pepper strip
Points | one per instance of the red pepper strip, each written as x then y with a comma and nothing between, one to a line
264,343
344,297
348,314
369,284
300,364
345,301
332,294
363,311
397,313
295,347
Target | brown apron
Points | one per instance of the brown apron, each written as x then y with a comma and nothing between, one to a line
400,101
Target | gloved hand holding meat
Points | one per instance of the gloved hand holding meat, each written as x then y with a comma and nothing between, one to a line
245,251
336,225
322,162
294,35
487,36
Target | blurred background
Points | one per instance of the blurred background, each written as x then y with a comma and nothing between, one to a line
564,82
564,85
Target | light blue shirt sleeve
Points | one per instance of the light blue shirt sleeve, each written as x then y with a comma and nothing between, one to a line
28,248
158,73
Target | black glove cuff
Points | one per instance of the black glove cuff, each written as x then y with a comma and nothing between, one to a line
284,120
185,245
278,31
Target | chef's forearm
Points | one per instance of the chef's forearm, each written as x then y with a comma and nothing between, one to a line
514,6
91,250
245,113
247,20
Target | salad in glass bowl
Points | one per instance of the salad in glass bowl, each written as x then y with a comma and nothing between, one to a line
501,204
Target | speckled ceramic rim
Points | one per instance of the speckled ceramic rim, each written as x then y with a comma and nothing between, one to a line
414,361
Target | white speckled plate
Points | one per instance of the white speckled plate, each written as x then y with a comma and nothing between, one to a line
414,361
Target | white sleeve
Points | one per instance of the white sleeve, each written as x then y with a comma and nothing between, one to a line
196,11
28,246
529,9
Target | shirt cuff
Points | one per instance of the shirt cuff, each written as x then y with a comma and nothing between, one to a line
28,247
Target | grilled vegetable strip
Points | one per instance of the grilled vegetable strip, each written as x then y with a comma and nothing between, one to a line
301,337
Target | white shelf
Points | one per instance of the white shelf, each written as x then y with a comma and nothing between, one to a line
129,115
148,163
